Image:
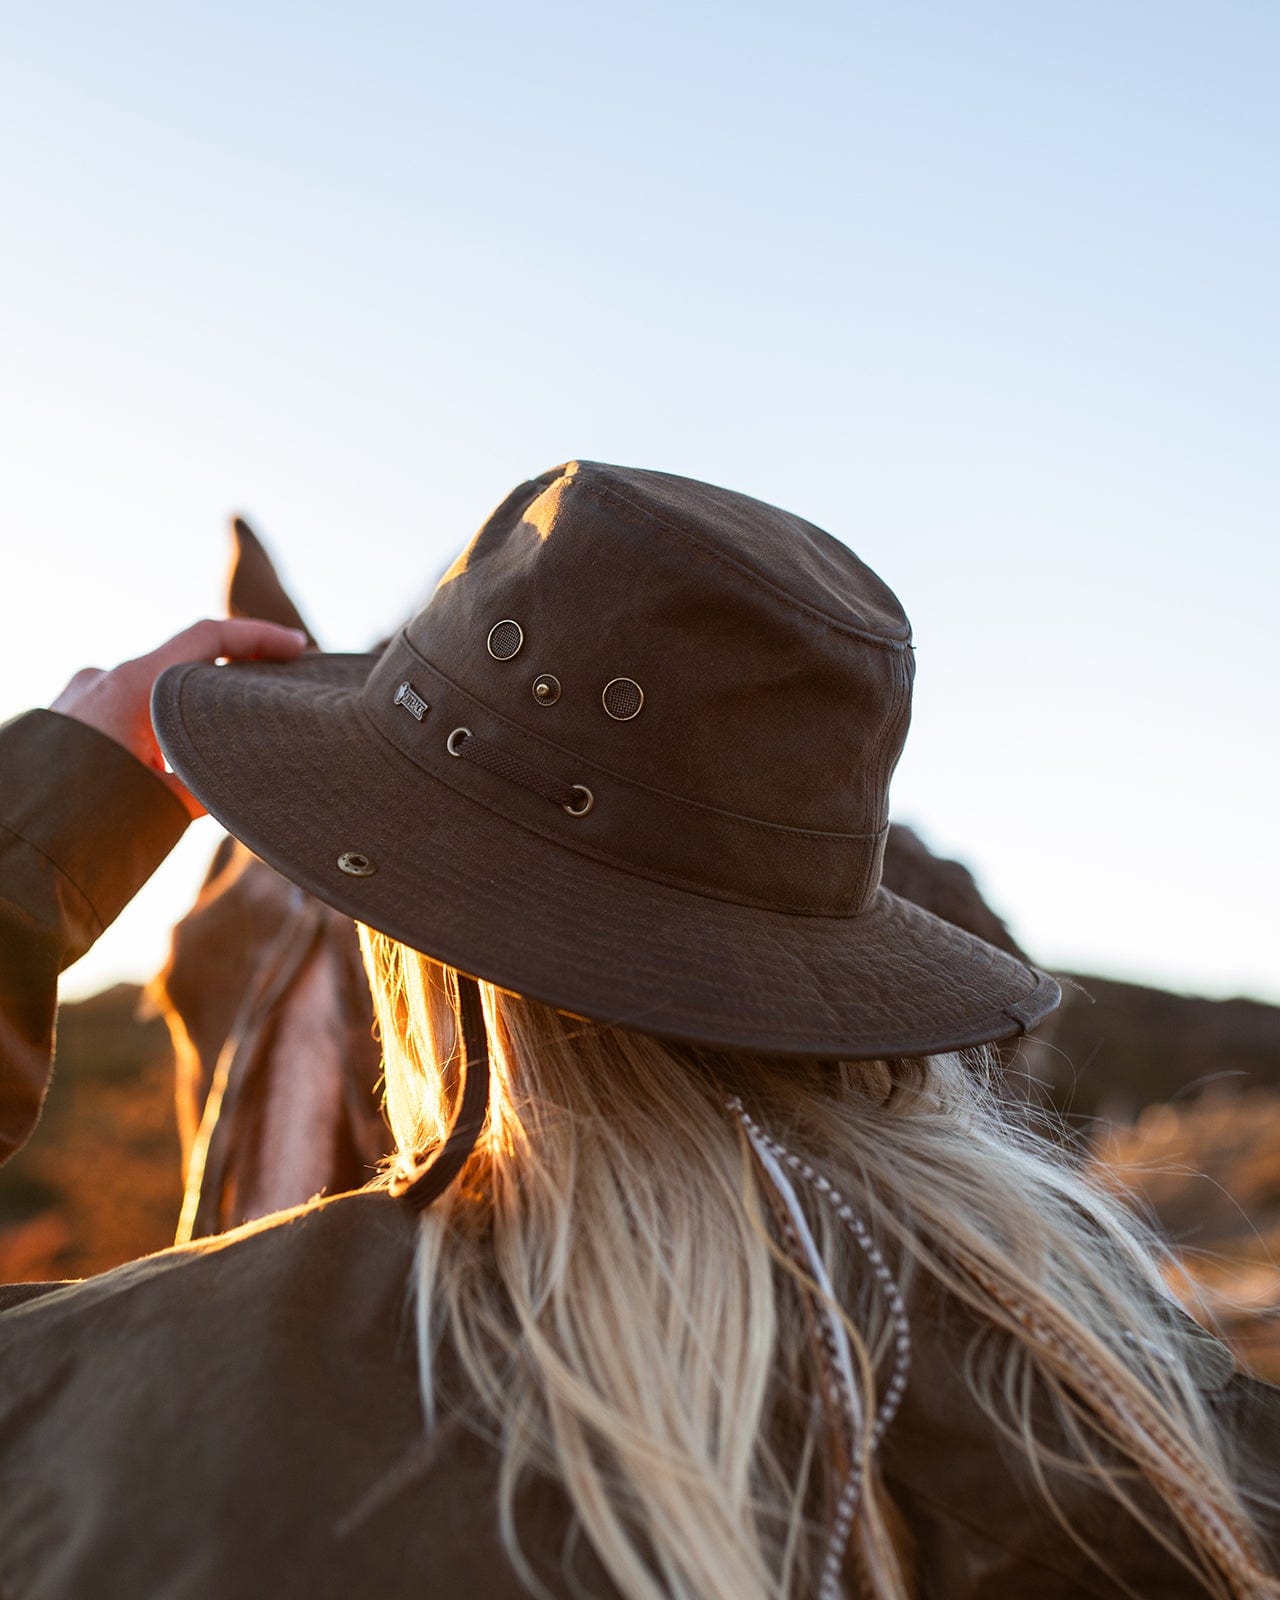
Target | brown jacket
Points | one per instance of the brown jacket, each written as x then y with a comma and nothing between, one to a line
241,1417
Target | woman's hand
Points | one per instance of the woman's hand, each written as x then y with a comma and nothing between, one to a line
118,703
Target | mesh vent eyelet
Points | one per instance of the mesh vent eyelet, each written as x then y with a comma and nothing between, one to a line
622,698
505,639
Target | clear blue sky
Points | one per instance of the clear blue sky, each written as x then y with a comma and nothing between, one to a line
988,290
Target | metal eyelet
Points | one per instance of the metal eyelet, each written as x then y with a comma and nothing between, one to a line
451,743
622,698
505,639
587,803
356,864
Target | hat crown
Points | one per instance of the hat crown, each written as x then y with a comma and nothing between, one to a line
773,663
729,684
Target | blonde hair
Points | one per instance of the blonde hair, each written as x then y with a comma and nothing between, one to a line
607,1270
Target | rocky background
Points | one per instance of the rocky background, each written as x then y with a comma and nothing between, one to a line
1178,1102
99,1182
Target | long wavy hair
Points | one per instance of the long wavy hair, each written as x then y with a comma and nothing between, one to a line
612,1272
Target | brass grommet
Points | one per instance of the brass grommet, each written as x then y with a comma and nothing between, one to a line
505,639
451,743
622,698
585,805
546,689
356,864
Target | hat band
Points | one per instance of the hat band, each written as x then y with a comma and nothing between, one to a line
630,825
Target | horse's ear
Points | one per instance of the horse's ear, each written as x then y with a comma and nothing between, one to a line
254,588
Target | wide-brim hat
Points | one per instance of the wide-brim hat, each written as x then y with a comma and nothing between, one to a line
631,759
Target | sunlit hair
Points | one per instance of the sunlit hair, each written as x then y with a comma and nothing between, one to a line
608,1271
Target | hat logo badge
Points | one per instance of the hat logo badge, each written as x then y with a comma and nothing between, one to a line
408,697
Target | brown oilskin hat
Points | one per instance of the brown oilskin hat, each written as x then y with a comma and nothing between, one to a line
632,759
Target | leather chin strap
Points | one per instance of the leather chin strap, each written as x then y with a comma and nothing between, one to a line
419,1188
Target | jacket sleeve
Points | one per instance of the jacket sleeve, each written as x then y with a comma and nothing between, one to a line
83,825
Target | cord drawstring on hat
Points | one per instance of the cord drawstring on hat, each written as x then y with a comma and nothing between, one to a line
420,1188
774,1158
575,798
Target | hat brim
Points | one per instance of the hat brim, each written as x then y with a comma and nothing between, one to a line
285,757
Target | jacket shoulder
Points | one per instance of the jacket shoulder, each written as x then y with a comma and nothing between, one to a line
302,1254
243,1416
